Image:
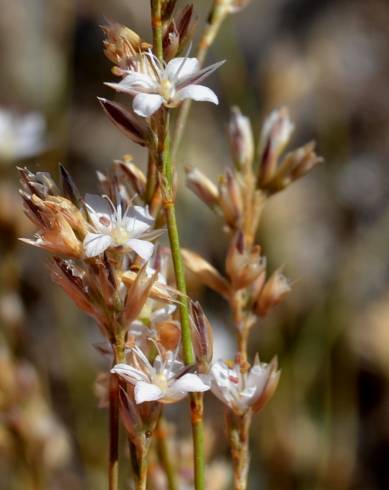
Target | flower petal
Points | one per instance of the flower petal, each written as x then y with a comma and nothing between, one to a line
179,68
96,243
129,373
141,247
189,383
146,104
196,92
133,83
146,392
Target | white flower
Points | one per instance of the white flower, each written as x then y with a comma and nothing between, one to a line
21,136
242,391
114,228
166,380
154,84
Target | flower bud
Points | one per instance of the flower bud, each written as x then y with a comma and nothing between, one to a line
133,126
186,22
230,199
241,139
203,187
202,335
275,135
272,293
243,265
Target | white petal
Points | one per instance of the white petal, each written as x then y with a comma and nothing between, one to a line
146,392
96,243
146,104
129,373
162,314
179,68
141,247
133,83
196,92
190,382
98,208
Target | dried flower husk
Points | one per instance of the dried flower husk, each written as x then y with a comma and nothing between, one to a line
241,139
203,187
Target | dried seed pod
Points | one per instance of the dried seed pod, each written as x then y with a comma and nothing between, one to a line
133,126
69,188
203,187
272,293
122,43
206,273
241,139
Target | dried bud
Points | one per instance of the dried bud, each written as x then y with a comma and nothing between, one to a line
272,293
158,291
72,280
241,139
202,336
134,174
230,199
137,294
122,43
271,384
40,183
69,188
275,135
170,41
206,273
186,22
57,219
203,187
295,165
133,126
244,265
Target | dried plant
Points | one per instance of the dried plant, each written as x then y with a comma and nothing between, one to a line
107,258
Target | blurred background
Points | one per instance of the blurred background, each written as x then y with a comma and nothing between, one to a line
327,428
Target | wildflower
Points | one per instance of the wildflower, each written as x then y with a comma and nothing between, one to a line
242,391
166,380
114,228
154,83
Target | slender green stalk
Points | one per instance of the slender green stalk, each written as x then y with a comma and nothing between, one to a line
216,19
164,455
156,22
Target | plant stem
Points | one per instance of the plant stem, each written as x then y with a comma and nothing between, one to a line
113,469
164,456
114,385
156,22
196,399
216,18
238,432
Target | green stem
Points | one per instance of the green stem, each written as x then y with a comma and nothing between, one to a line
164,455
216,19
156,22
196,399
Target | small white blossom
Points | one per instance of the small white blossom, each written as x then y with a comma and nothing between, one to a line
21,136
153,83
164,381
113,227
242,391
